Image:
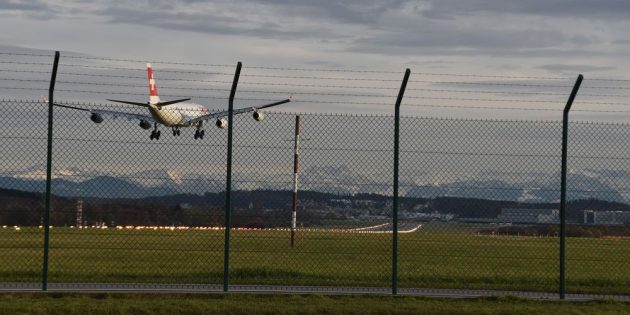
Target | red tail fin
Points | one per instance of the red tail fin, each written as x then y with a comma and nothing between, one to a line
153,92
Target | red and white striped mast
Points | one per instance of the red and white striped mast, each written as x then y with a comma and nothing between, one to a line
296,158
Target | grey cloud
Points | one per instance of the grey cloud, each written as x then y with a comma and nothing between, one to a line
354,11
545,8
325,11
397,27
32,9
205,23
409,35
24,6
456,41
574,68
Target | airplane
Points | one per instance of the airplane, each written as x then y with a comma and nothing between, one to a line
175,114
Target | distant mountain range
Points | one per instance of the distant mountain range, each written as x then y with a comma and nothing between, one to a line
73,182
579,186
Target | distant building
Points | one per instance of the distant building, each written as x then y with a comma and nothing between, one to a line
434,216
538,216
365,203
606,217
344,202
79,217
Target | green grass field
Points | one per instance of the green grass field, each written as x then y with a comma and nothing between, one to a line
175,304
429,258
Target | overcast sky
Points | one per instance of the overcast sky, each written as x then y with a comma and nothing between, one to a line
560,38
479,36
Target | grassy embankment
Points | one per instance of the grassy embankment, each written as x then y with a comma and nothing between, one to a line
429,259
174,304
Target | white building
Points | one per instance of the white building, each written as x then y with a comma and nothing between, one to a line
538,216
606,217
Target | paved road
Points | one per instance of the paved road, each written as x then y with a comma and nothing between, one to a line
217,288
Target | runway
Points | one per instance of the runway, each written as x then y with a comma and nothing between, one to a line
288,289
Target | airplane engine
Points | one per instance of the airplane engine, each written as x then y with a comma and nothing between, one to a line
96,118
222,123
258,116
145,124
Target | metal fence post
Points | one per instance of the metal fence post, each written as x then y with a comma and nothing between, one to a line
228,182
563,184
51,92
401,93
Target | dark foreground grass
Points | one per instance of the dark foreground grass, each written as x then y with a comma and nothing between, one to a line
67,303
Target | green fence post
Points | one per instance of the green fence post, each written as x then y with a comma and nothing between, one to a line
228,182
51,91
401,93
563,184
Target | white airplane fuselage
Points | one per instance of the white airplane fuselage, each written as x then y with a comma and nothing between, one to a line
177,115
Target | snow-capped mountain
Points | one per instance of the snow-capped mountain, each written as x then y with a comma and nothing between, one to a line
607,185
68,173
545,189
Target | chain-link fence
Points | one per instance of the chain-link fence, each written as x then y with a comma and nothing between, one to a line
478,207
472,181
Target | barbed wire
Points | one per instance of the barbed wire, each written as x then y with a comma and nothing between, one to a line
27,63
242,74
25,71
334,86
144,69
302,85
337,102
481,107
365,87
144,61
559,109
302,69
297,93
26,54
491,83
341,94
607,79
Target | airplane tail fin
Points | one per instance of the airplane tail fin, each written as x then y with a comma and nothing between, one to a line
153,92
154,99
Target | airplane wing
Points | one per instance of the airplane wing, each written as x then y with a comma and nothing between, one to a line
114,114
158,104
236,111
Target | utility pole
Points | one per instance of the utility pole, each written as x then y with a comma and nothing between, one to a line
296,159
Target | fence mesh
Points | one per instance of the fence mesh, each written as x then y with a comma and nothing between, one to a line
344,164
479,198
598,220
23,152
147,209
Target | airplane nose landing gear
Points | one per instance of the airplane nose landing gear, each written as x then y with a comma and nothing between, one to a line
176,131
155,135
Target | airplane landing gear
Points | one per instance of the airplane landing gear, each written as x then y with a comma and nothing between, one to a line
155,134
176,131
199,132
